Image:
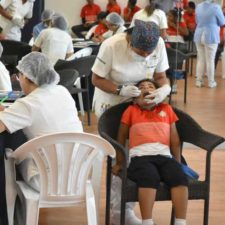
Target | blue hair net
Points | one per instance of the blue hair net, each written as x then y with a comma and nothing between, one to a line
145,35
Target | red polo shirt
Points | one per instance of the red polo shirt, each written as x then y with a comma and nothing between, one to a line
113,8
90,12
130,15
100,29
190,21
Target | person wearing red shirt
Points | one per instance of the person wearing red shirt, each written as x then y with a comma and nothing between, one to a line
189,19
88,15
130,10
175,26
96,32
113,6
101,27
154,153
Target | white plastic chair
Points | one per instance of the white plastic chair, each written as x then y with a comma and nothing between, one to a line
81,53
70,167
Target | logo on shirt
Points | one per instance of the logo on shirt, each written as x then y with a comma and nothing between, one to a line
162,113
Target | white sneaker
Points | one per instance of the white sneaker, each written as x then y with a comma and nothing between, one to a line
199,83
174,89
131,219
212,84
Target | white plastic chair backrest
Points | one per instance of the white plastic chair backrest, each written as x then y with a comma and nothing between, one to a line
90,32
81,53
66,161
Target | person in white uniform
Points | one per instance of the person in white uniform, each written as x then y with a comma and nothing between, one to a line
122,61
25,11
46,108
55,42
115,23
152,12
5,82
9,16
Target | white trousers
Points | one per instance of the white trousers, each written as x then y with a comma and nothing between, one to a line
115,202
206,59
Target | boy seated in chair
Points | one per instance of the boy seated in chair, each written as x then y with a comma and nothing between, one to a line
154,150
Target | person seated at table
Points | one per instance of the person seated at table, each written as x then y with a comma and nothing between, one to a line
46,20
130,10
189,19
176,28
55,42
154,151
113,6
98,29
46,108
115,24
88,16
5,82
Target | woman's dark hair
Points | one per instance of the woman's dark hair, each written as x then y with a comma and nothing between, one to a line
149,9
176,14
191,5
148,80
132,2
102,15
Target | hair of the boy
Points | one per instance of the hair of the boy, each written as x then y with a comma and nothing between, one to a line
148,80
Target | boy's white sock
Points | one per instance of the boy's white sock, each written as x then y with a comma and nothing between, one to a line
180,221
148,222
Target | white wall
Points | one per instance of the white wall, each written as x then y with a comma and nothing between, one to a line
71,8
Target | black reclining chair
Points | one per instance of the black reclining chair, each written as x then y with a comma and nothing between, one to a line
83,66
189,131
13,51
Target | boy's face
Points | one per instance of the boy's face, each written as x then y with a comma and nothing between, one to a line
146,88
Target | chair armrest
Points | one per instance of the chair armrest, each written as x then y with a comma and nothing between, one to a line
191,132
201,138
190,54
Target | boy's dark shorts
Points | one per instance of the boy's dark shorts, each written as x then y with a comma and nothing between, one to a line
149,171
